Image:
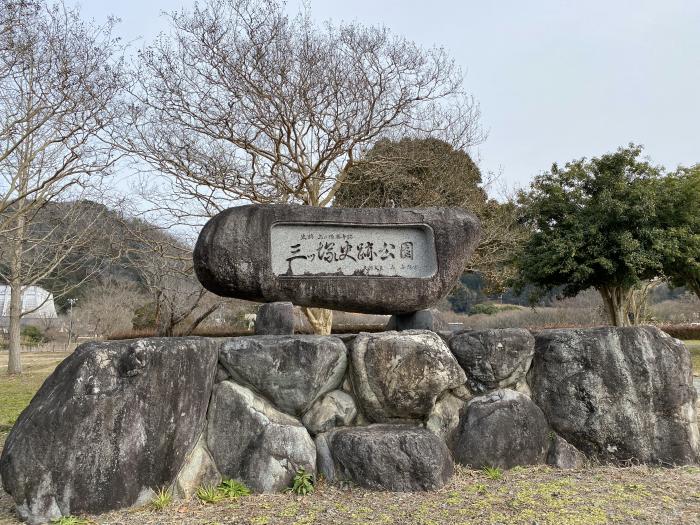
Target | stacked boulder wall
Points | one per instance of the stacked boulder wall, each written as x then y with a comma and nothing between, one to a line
385,457
253,442
398,376
618,394
292,371
113,422
502,429
494,359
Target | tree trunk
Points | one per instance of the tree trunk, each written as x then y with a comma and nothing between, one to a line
321,320
694,285
616,301
14,365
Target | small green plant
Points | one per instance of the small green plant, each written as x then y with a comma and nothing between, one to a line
493,472
70,520
209,494
162,499
233,489
302,483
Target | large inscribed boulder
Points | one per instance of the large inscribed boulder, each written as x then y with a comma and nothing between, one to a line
115,421
372,260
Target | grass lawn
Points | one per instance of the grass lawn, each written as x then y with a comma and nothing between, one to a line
694,347
595,495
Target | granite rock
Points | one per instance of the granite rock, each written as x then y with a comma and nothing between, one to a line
335,409
494,359
398,376
275,319
428,319
291,371
114,422
385,457
618,394
502,429
253,442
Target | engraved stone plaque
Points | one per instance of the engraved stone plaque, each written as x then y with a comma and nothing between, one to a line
305,250
371,260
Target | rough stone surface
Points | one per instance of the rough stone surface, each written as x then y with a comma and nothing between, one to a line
494,359
275,319
399,375
232,257
335,409
253,442
618,393
445,416
291,371
199,470
385,457
502,429
564,455
113,422
428,319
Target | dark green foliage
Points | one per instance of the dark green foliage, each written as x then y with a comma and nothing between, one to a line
302,483
595,223
679,213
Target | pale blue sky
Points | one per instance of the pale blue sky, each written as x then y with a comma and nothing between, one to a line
556,80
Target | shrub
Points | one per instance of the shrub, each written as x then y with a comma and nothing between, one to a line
484,308
682,331
32,335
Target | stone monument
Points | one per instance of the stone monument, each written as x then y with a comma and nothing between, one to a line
119,420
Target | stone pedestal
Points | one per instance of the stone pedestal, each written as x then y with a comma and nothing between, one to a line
275,319
429,319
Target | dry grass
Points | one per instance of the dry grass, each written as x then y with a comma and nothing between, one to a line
542,495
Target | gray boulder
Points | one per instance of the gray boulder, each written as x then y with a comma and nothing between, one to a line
618,394
399,375
502,429
428,319
564,455
115,421
335,409
444,418
494,359
291,371
275,319
385,457
199,470
255,443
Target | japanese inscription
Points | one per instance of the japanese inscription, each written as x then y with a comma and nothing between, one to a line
300,250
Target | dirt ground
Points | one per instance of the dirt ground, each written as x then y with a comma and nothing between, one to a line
529,496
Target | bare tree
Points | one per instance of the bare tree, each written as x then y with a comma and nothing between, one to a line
59,76
165,268
109,307
241,103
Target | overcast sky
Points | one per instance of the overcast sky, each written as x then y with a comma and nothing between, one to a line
556,79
